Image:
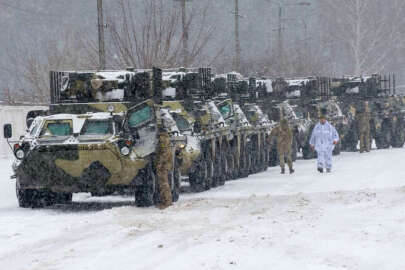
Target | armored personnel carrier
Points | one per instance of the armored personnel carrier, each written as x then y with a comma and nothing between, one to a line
309,96
66,153
386,108
207,157
99,136
247,94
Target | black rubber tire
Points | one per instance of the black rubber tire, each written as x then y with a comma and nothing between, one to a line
60,198
383,140
232,173
273,157
211,172
198,178
226,170
398,134
294,150
176,184
219,170
26,197
145,194
244,167
350,139
263,160
384,137
307,152
398,141
35,198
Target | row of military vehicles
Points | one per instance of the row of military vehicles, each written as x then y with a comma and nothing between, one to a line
100,133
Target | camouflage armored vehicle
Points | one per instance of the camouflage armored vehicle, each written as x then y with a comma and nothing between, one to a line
66,153
259,141
204,157
293,98
248,120
310,96
99,136
242,135
387,122
387,110
207,157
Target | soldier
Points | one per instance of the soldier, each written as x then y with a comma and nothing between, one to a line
164,164
284,136
363,128
323,140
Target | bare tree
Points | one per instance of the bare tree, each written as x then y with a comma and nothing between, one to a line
371,31
31,65
151,35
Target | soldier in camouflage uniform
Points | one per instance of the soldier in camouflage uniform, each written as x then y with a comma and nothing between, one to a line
164,165
363,128
284,136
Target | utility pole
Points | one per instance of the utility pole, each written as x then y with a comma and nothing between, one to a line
237,41
101,44
280,45
280,38
185,53
185,33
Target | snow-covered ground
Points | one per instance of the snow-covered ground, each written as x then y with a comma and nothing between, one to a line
351,219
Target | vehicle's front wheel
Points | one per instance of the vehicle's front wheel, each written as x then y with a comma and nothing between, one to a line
219,169
273,157
25,197
37,198
145,193
199,178
176,184
307,152
60,198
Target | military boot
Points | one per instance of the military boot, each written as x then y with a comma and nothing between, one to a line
328,170
320,170
282,171
292,171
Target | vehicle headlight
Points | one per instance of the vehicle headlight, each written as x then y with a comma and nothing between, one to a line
20,154
182,146
125,151
111,108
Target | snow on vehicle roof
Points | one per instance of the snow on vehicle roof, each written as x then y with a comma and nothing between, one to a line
169,122
167,76
267,82
240,114
333,109
238,75
118,75
65,116
263,118
218,76
298,81
358,78
215,112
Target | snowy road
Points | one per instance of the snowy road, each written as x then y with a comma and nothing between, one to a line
351,219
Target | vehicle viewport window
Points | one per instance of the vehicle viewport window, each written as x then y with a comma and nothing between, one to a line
140,116
182,123
225,110
57,129
96,128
